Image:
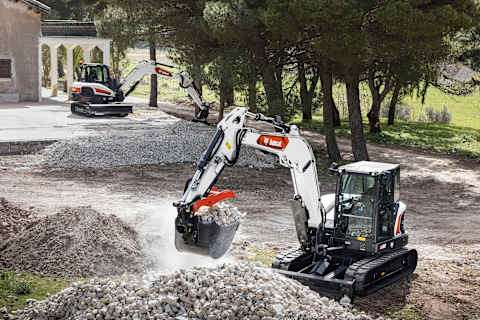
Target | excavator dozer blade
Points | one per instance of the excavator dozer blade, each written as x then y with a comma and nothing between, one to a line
329,287
204,238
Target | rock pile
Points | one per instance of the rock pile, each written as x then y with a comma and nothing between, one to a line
12,220
230,291
179,142
74,242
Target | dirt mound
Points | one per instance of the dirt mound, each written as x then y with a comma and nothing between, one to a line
12,220
74,242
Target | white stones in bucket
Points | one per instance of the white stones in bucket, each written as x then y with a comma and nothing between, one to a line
222,213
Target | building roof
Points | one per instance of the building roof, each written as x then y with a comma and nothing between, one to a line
369,167
68,28
37,6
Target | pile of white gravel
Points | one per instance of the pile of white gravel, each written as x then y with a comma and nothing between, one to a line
230,291
182,141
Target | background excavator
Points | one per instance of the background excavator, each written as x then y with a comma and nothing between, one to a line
352,242
95,93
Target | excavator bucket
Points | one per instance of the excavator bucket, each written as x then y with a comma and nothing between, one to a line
207,239
208,229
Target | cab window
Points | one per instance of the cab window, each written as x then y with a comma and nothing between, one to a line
356,205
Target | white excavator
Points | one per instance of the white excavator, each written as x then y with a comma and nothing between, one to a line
351,243
96,93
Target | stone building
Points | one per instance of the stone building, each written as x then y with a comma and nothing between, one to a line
20,32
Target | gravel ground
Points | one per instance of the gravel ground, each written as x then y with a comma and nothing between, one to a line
12,220
182,141
74,242
230,291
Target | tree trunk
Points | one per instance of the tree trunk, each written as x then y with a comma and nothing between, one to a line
252,93
306,93
377,98
223,99
328,119
359,147
230,97
306,104
224,95
393,105
197,80
336,114
272,81
153,77
229,92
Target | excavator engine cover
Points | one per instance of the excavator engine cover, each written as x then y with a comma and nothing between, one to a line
206,238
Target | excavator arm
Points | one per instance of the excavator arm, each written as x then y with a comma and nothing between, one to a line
184,80
293,152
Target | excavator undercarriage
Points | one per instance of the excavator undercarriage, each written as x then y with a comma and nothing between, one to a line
348,273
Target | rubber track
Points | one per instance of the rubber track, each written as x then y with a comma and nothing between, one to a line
359,271
286,257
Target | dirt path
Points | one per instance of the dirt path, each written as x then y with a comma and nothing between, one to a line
442,194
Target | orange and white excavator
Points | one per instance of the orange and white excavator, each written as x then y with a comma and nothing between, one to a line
352,242
96,93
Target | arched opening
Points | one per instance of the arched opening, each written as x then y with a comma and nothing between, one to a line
78,58
62,62
46,66
97,55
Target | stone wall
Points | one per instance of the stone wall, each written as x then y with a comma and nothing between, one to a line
19,39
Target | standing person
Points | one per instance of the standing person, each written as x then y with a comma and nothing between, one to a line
113,81
78,70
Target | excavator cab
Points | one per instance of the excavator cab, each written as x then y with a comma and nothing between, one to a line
367,207
364,249
95,73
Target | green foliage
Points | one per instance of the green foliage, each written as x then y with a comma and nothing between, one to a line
68,10
111,23
16,288
469,43
454,140
22,287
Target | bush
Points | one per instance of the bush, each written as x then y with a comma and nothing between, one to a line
403,112
22,287
9,284
446,116
438,116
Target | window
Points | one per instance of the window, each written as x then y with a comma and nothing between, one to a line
5,68
386,220
356,205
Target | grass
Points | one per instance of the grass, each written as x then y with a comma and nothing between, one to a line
406,313
454,140
16,288
168,89
465,109
263,256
